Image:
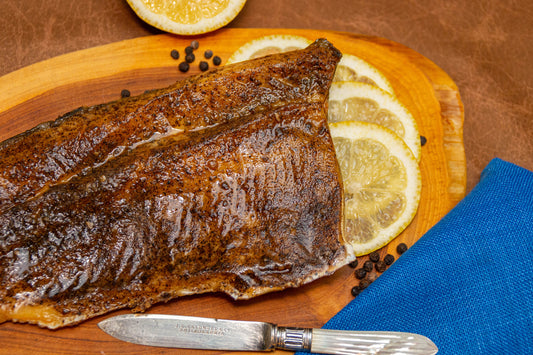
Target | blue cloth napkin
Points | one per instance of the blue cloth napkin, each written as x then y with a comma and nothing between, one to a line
467,284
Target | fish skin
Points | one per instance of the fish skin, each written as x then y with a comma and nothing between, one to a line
246,207
54,151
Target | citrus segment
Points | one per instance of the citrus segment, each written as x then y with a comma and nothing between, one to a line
268,45
187,17
352,101
381,181
352,68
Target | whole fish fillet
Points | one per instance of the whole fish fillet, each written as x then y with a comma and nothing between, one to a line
245,207
55,151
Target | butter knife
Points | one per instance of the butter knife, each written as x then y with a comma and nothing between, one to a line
231,335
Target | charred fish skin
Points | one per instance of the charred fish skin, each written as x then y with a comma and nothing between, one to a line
246,207
55,151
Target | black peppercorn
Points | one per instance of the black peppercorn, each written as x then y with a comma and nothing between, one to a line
364,283
368,266
374,256
195,44
204,66
175,54
381,266
189,50
189,58
184,67
423,140
356,290
389,259
360,273
401,248
208,54
125,93
217,60
353,264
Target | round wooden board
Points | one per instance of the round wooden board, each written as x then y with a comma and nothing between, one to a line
43,91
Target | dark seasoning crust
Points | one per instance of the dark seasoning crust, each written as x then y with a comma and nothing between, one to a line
54,151
250,204
175,217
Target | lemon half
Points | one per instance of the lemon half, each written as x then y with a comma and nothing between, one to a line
382,183
187,17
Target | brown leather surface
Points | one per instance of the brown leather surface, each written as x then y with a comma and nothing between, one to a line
485,46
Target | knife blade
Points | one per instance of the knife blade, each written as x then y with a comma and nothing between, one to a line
231,335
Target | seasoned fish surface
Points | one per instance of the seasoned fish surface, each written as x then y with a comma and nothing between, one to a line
54,151
246,207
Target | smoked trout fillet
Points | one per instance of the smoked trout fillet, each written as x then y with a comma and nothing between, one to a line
246,207
55,151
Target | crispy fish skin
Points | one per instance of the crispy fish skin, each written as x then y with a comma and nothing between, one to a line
54,151
246,207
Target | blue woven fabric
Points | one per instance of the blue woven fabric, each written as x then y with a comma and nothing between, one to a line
467,284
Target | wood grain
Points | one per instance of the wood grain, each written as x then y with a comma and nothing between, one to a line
45,90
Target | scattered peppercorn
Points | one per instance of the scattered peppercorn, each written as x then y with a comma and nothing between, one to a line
368,266
189,58
353,264
208,54
423,140
217,60
374,256
360,273
401,248
372,276
184,67
204,66
189,50
381,266
195,44
356,290
175,54
125,93
389,259
364,283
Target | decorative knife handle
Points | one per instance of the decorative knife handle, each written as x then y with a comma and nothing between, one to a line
292,339
329,341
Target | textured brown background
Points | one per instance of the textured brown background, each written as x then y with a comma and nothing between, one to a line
486,47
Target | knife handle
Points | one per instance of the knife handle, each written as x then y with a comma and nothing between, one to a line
330,341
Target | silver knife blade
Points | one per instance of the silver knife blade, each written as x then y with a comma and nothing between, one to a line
189,332
231,335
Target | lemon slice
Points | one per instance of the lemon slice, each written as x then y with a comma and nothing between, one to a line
351,101
268,45
352,68
381,180
187,17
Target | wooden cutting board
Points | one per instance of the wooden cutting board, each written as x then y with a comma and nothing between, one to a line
43,91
